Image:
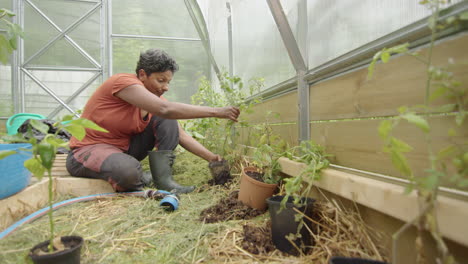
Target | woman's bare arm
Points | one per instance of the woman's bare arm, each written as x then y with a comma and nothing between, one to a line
139,96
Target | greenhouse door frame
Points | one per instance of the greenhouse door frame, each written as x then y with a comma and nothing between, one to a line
21,68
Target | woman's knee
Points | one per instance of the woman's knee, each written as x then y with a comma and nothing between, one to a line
123,172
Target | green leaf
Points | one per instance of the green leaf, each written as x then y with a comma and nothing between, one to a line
460,117
400,162
370,69
419,121
7,12
447,108
5,50
77,131
464,16
408,188
438,93
384,128
6,153
447,151
38,125
35,167
385,56
402,48
87,124
399,145
450,20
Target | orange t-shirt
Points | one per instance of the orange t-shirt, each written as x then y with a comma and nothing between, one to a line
121,119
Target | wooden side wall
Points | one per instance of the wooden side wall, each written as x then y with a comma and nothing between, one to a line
346,111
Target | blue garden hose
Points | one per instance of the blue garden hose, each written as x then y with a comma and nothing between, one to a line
169,201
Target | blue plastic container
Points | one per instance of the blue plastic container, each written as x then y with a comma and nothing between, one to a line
14,177
15,121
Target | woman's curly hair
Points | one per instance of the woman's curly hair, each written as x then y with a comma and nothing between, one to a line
155,60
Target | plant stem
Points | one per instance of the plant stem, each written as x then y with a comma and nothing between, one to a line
51,220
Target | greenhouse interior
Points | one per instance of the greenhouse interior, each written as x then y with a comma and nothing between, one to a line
290,131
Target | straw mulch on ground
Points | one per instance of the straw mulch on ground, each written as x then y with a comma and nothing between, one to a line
127,229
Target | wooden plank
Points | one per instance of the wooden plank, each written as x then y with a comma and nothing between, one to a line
399,82
82,186
35,196
356,144
285,105
23,203
389,199
288,132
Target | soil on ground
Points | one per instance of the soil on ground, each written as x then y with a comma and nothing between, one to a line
229,209
257,240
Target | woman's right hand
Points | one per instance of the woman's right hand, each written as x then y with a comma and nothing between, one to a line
229,112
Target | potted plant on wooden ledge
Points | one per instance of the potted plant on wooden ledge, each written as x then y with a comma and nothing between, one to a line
64,249
291,213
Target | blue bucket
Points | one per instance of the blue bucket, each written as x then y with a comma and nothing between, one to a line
14,177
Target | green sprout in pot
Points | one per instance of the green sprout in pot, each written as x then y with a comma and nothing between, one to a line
265,159
44,152
316,160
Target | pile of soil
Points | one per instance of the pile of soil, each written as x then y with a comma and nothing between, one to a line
229,209
257,240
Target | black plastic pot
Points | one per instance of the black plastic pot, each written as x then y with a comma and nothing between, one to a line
68,256
344,260
283,223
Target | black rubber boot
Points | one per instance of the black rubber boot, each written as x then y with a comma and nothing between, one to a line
161,162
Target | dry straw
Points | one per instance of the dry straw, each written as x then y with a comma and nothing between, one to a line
135,230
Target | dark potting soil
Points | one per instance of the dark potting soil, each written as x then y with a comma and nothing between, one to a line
44,250
220,172
257,240
255,175
229,209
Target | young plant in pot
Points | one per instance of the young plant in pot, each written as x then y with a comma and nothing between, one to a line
259,180
65,249
218,135
291,213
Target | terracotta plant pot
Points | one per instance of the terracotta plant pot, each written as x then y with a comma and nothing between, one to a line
254,193
283,223
70,255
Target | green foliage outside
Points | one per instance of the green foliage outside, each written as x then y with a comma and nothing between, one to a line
219,135
450,162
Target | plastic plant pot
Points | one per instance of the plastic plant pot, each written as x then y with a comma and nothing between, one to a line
70,255
345,260
283,224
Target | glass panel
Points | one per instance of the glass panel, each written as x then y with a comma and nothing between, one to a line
61,53
216,18
88,35
38,32
337,27
189,55
63,13
168,18
63,84
258,48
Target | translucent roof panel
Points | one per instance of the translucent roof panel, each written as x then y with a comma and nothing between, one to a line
166,18
216,18
337,27
257,45
189,55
